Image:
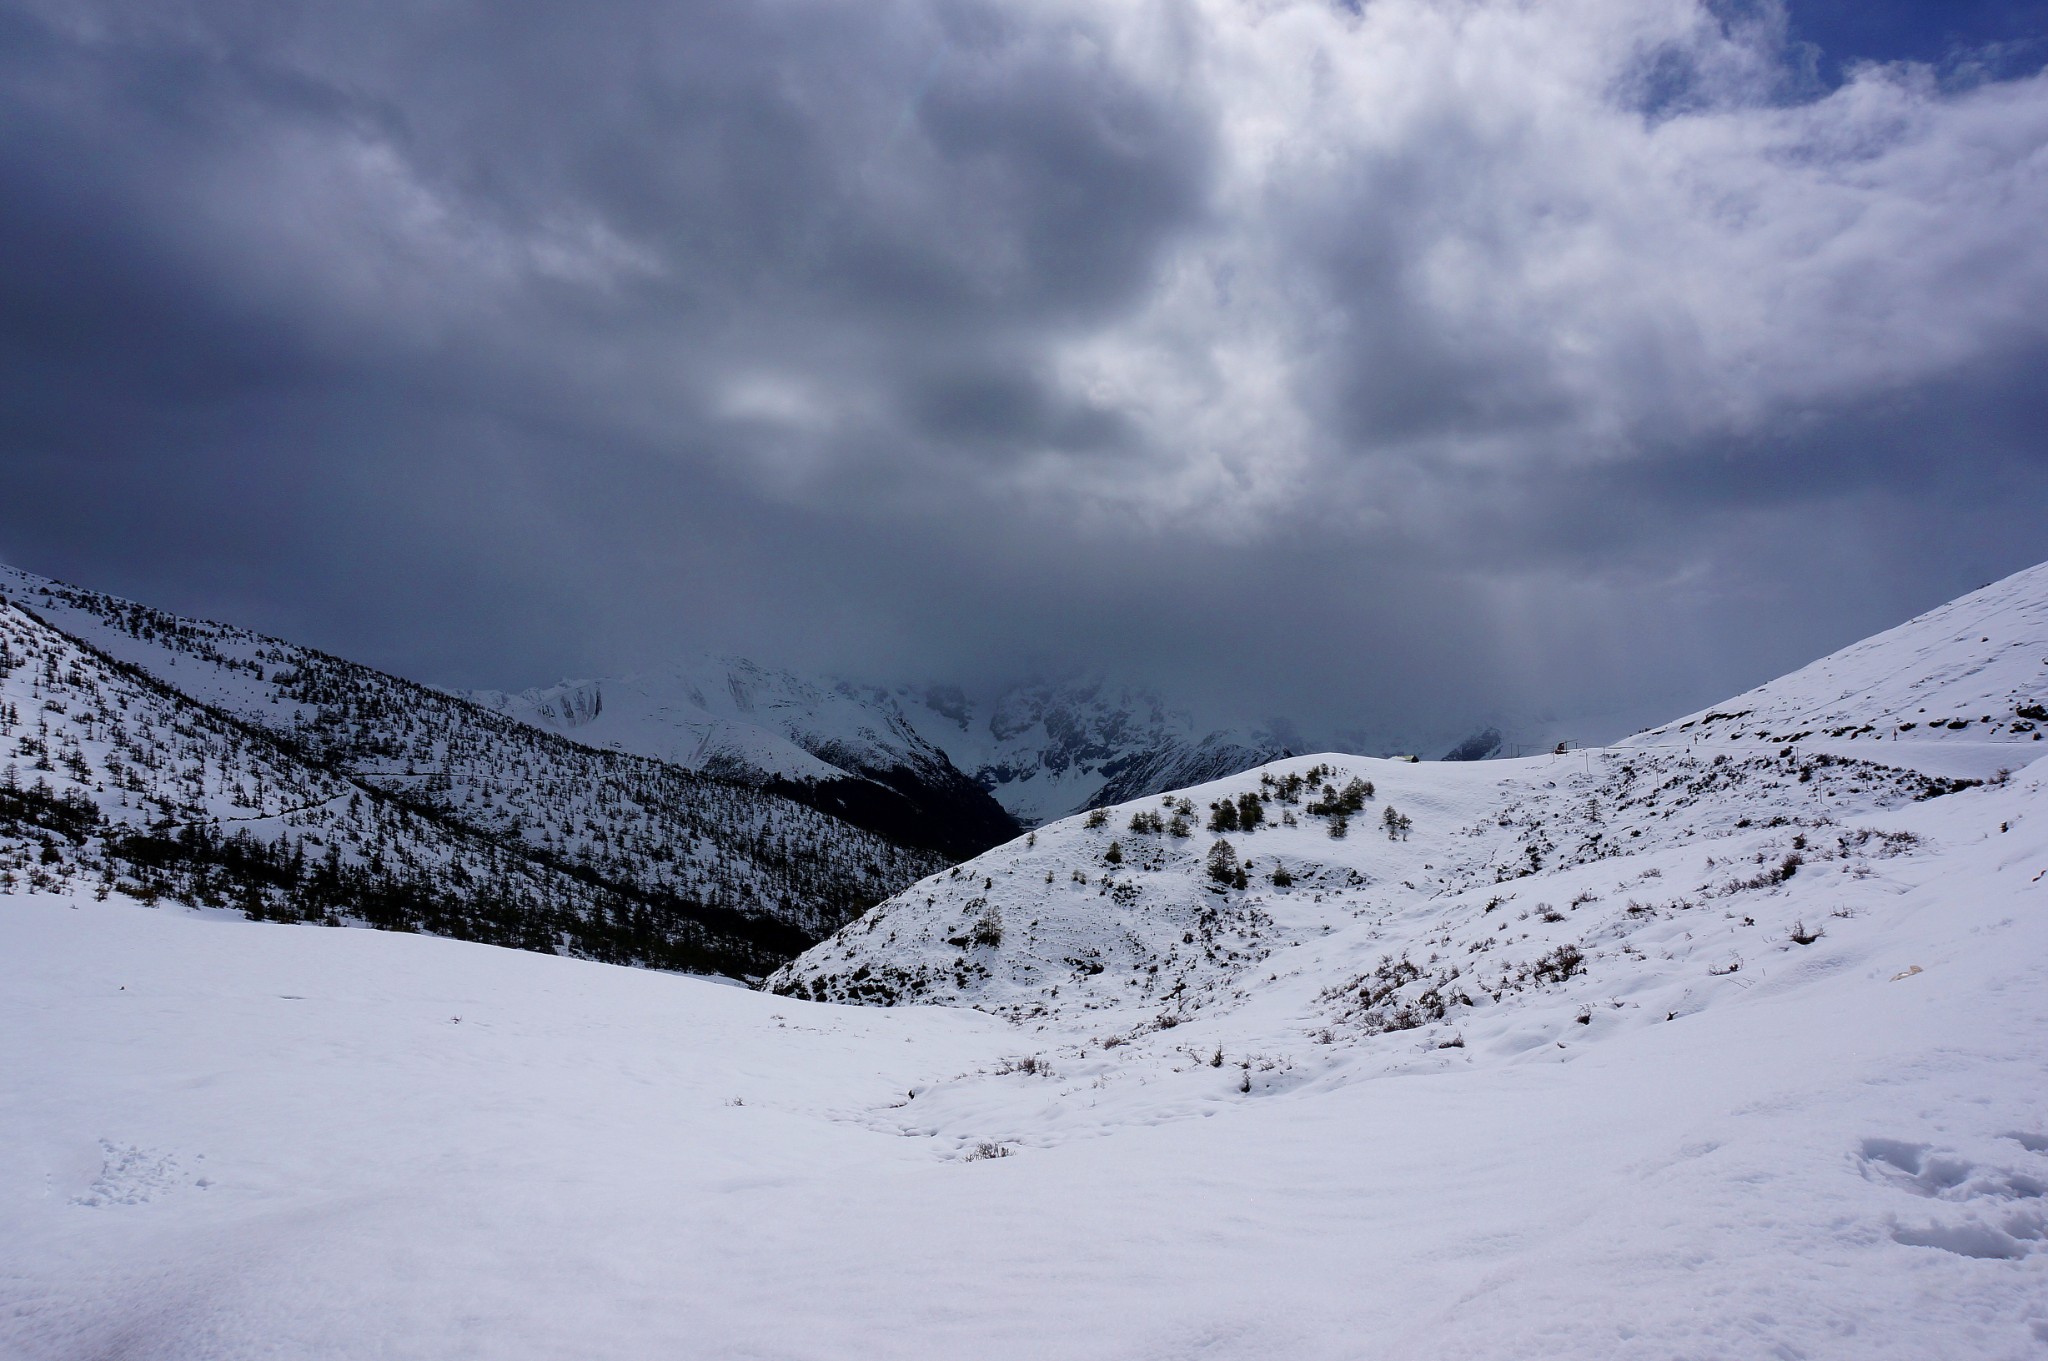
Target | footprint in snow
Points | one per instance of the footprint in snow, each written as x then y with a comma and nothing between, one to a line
130,1175
2000,1214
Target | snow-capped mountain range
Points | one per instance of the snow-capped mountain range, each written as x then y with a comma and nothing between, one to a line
975,766
1034,751
733,719
1047,748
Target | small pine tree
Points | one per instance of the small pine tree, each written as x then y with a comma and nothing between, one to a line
1223,864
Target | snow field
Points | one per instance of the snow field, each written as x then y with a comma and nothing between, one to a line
1826,1163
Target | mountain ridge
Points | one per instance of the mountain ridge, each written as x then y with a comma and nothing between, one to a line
1035,750
735,719
650,863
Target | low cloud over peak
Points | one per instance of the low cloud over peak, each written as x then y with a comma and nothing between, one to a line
1447,349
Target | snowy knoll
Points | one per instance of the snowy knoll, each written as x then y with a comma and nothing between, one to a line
256,764
1492,870
1351,912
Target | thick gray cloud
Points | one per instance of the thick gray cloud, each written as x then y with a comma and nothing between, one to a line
1371,364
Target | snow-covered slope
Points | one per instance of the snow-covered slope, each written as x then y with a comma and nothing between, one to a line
1324,903
1131,907
654,864
730,717
1969,679
113,783
1495,869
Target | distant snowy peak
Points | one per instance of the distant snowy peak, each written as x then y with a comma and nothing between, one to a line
668,717
733,717
713,707
1972,674
1047,749
570,705
1018,756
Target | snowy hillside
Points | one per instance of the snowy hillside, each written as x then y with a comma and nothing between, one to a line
1328,915
1969,679
653,864
1482,884
727,716
112,783
1494,869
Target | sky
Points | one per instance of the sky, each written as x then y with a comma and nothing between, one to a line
1370,364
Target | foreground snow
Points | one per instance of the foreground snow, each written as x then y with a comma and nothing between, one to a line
235,1139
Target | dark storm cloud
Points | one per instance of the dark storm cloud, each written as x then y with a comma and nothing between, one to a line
1395,360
